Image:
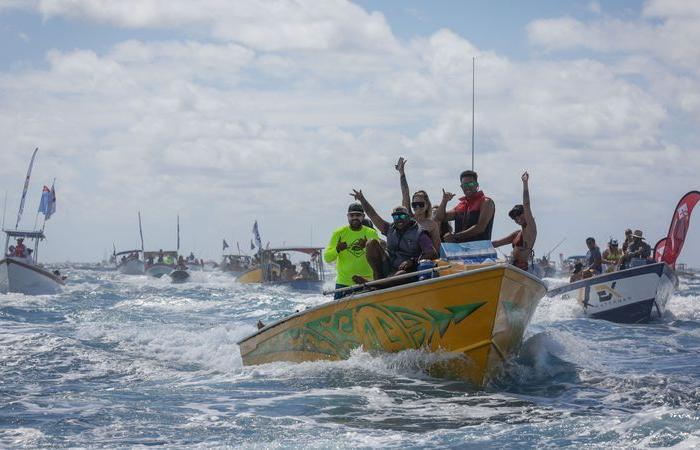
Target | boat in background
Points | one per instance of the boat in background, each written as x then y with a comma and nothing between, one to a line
20,270
634,295
159,263
129,263
640,293
475,315
276,268
24,274
236,264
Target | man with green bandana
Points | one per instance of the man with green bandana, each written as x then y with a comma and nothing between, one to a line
348,247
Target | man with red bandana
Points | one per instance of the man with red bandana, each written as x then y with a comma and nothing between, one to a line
473,215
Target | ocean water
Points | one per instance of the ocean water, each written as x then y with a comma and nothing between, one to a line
123,361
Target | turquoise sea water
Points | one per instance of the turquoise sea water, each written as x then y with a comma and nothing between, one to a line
122,361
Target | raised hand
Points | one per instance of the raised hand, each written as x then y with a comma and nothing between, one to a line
525,177
357,195
400,164
447,196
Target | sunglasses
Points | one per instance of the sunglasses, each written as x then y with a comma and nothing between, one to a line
355,214
418,205
469,184
399,216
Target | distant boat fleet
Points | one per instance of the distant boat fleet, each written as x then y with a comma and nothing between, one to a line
466,303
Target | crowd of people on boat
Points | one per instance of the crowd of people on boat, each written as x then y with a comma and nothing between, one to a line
633,252
281,268
417,229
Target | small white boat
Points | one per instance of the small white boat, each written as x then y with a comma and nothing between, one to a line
20,270
633,295
24,274
127,264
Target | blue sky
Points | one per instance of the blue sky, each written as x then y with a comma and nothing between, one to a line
227,112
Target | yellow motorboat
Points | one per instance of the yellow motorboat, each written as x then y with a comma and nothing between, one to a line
477,315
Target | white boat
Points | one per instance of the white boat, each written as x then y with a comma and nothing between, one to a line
127,264
633,295
24,274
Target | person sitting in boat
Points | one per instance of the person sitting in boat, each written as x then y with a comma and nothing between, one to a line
160,256
473,215
168,259
10,250
407,243
577,274
638,252
191,257
612,255
181,265
627,241
347,247
307,272
594,260
522,240
419,206
20,249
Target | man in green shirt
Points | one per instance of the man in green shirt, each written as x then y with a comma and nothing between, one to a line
348,247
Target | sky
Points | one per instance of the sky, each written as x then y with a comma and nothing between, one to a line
229,112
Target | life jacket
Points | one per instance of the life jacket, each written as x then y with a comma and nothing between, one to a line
467,214
403,245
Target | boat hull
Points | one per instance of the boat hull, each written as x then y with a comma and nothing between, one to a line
132,267
158,270
634,295
250,276
22,277
477,317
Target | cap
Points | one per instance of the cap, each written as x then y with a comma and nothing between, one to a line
356,207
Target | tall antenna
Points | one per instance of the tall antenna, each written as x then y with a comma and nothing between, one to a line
4,209
473,103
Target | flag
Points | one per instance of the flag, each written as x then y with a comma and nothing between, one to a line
673,244
252,246
225,245
45,202
256,236
26,186
52,201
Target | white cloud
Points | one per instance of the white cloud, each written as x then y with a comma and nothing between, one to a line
269,26
279,124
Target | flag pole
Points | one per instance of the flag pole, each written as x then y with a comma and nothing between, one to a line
473,104
4,210
141,233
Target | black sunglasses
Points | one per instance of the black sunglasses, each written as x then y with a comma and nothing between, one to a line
417,204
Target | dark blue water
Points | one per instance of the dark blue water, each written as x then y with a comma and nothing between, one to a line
118,361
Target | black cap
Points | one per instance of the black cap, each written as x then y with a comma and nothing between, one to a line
356,207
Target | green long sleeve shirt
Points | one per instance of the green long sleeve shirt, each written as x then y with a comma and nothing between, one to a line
353,260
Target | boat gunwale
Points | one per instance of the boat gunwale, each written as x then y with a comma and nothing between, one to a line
352,297
39,270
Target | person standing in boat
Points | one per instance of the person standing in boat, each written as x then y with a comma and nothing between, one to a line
348,247
406,242
594,259
473,215
612,256
419,206
20,249
522,240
